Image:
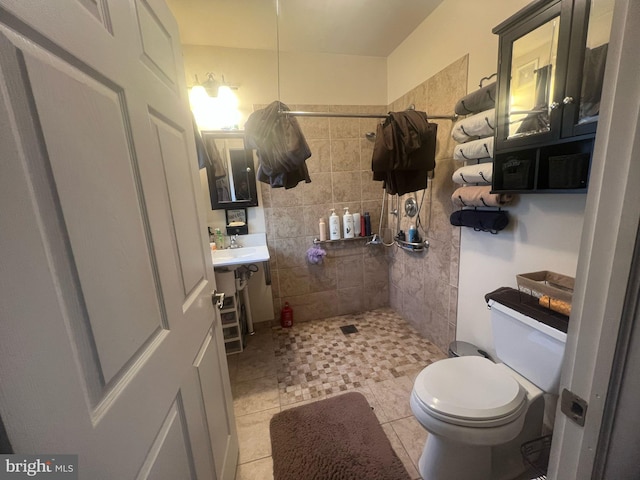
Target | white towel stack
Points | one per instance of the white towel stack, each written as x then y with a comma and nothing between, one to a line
474,136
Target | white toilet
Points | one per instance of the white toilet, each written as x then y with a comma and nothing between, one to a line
478,413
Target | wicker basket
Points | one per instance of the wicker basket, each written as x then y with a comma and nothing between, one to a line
555,285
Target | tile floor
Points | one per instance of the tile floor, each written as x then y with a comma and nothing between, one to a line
284,368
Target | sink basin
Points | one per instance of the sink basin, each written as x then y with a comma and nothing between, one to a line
238,256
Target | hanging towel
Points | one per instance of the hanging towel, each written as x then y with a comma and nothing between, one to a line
480,173
476,126
404,152
281,147
592,80
538,119
218,166
478,101
481,148
479,196
203,157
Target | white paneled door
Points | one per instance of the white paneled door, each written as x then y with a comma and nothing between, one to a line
110,347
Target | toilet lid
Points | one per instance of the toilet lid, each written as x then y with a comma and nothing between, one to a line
472,388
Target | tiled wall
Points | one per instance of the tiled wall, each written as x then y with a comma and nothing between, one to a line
354,277
424,287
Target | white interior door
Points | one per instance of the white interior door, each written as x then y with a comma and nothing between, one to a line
110,347
611,224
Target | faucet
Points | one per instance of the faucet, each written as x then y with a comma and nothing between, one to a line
234,242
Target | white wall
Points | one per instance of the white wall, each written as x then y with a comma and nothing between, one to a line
455,28
545,230
327,79
544,235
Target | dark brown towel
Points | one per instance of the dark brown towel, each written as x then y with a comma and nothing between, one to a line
404,152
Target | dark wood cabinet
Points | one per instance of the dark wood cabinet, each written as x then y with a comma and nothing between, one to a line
550,72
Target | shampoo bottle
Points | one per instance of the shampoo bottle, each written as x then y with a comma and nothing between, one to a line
356,225
367,224
412,237
334,225
347,223
323,230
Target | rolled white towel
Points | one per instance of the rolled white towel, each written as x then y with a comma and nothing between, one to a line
480,173
479,196
481,148
476,126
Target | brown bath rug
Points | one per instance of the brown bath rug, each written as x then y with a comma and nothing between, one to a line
334,439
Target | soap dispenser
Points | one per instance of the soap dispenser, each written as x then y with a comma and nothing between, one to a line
347,223
334,225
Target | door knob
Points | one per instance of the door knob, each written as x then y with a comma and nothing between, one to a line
567,100
218,299
554,105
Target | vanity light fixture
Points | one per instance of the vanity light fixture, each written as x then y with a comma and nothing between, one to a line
214,104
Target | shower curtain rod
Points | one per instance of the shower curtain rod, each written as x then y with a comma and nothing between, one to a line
359,115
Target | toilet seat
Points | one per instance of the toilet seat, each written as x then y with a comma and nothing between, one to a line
470,391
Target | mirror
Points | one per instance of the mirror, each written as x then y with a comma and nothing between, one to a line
231,173
598,33
533,67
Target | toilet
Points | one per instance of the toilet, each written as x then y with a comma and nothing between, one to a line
478,413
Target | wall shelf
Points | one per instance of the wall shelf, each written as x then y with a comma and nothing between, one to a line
317,241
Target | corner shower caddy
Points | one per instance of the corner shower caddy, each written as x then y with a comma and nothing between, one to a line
413,247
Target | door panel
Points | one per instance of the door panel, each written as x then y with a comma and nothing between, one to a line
105,272
96,178
170,455
156,44
172,144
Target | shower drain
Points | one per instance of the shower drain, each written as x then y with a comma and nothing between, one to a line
349,329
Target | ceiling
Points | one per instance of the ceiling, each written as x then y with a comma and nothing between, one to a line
350,27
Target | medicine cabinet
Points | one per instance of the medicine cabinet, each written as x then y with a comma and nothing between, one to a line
231,173
550,73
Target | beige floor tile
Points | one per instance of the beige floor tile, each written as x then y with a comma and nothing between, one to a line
251,367
253,435
393,397
401,451
412,436
255,395
259,470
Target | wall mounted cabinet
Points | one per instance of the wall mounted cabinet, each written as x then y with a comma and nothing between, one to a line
550,73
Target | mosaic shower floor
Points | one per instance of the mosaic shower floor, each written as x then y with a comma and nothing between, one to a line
316,359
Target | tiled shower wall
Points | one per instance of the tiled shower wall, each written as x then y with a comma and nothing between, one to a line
353,277
424,287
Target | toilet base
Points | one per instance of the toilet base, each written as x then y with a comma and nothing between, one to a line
442,459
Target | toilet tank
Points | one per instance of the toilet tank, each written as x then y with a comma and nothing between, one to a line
532,348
